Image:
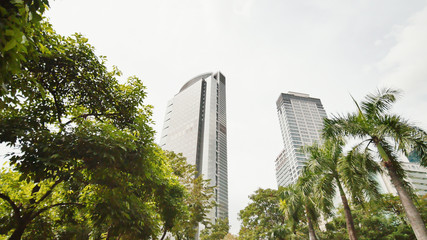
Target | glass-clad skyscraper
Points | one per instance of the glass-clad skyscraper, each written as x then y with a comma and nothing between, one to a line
301,120
195,125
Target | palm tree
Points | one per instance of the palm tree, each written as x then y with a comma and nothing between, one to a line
297,200
334,170
390,134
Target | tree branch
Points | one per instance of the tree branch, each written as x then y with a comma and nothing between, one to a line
12,204
35,189
49,192
58,110
52,206
88,115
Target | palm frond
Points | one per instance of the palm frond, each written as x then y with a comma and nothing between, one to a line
372,190
359,110
419,149
407,137
357,170
344,126
291,202
379,102
396,166
324,202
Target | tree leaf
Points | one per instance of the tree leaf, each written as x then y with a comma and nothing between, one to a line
9,45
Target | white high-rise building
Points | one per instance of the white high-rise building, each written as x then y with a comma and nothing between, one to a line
416,176
195,125
301,120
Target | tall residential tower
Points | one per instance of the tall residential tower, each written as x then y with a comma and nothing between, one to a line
195,125
301,120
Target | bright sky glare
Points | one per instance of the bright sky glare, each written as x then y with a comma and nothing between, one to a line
326,48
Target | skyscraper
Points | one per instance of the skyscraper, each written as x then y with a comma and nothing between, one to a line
301,120
195,125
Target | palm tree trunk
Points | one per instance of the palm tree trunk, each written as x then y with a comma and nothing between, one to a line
347,212
411,211
311,232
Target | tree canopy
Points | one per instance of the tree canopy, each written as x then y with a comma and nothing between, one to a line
383,219
216,231
262,217
19,20
389,135
77,127
197,202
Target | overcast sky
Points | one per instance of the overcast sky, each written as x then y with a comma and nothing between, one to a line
326,48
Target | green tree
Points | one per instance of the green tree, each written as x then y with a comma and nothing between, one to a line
262,218
299,201
198,201
230,236
381,219
51,212
76,125
354,173
22,204
390,134
18,21
215,231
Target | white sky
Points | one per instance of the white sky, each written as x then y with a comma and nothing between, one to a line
326,48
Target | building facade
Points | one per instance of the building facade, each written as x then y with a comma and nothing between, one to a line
416,176
195,125
301,120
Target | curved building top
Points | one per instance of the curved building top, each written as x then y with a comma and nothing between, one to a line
194,80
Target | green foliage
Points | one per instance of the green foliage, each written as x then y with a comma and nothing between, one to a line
301,203
353,174
215,231
198,200
354,171
81,130
375,125
389,135
230,236
34,204
262,218
383,219
19,20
